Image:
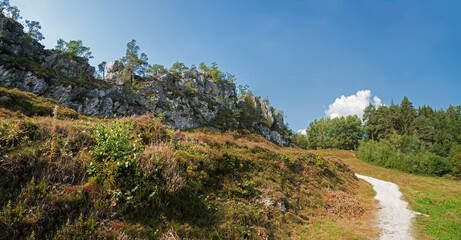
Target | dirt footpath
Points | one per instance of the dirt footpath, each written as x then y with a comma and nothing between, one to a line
394,218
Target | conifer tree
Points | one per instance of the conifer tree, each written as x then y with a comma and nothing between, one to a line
133,62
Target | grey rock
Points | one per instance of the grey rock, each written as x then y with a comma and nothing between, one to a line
167,78
192,99
35,85
91,106
279,203
5,100
114,66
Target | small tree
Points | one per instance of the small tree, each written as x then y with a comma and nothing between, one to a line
178,67
74,47
133,63
102,68
242,90
34,32
8,10
157,69
230,77
60,45
203,67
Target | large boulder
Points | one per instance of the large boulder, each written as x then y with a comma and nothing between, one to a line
114,66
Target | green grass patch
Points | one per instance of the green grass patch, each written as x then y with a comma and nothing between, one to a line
438,197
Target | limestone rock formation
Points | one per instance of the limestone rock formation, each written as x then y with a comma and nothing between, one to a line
188,99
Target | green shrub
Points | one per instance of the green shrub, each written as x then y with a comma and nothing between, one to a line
189,88
13,133
80,229
113,154
385,154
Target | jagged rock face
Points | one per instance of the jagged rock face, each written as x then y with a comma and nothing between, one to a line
259,117
186,100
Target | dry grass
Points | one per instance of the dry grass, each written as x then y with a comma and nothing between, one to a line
162,155
23,104
344,216
211,184
241,138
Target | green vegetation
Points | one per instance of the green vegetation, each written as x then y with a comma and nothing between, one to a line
337,133
13,12
242,90
216,74
403,153
8,10
21,104
134,177
421,141
178,67
134,63
157,69
102,68
437,197
73,48
189,88
34,32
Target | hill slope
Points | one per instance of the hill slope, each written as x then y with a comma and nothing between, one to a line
63,177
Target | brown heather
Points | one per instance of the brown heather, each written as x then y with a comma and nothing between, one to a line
197,184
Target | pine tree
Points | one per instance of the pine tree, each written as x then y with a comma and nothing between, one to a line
407,115
134,63
102,68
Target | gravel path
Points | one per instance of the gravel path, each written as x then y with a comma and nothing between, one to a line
394,218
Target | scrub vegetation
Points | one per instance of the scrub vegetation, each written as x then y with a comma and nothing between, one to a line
65,175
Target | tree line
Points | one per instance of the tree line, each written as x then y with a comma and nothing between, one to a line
135,64
416,140
338,133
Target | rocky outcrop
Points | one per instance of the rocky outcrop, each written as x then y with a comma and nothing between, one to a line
188,99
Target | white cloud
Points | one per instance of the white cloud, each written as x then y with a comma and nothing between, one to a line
302,131
351,105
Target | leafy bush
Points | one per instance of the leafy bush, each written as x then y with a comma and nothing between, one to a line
115,151
385,154
13,133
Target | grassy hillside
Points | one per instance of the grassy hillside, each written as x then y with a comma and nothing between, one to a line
63,175
440,198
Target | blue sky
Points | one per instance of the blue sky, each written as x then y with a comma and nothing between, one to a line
303,55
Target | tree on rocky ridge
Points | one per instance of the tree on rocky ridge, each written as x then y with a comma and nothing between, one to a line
74,48
102,68
157,68
8,10
133,62
178,67
203,67
60,45
34,32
